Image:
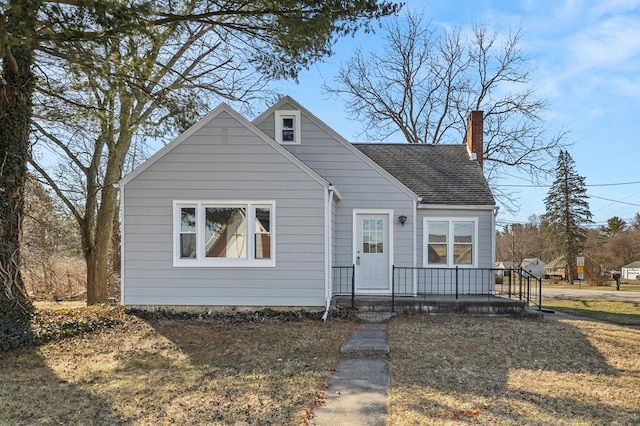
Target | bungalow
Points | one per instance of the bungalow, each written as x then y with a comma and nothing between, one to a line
262,213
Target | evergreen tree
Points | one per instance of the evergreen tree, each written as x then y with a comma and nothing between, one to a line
567,211
614,225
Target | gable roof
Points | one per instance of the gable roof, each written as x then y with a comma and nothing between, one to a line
632,265
440,174
340,139
223,108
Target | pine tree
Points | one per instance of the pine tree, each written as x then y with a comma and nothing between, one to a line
567,211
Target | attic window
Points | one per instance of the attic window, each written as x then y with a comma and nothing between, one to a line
288,127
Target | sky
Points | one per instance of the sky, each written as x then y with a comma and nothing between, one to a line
586,61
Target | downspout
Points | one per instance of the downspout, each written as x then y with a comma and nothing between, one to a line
415,243
327,252
493,237
493,245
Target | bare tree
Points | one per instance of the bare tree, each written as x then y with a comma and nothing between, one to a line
425,82
98,96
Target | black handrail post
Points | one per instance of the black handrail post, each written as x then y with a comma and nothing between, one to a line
520,284
540,294
393,289
353,286
456,282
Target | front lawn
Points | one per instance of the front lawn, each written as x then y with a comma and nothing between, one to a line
174,371
615,311
500,371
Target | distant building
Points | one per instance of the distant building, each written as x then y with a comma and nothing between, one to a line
558,267
631,271
534,266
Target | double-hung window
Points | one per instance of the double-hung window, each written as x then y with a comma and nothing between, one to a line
450,242
288,127
223,233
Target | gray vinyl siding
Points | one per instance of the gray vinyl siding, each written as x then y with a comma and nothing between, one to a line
224,160
360,185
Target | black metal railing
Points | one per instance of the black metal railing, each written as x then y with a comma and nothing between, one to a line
414,281
443,281
521,284
344,281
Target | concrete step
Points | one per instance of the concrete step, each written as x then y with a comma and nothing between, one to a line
367,341
375,316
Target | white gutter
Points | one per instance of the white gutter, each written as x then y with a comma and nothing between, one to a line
457,207
329,193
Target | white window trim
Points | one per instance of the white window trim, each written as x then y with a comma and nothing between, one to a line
279,115
450,221
201,260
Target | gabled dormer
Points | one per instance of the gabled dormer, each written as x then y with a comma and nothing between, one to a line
287,127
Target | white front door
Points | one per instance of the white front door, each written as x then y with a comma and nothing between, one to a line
372,253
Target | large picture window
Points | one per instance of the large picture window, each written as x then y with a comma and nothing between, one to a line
450,242
214,233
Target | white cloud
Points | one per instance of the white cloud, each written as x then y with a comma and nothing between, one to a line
609,44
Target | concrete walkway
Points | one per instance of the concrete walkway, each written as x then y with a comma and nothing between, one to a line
358,392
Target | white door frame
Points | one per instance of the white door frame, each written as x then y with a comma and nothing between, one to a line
354,239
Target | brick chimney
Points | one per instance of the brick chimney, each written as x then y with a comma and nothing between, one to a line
475,136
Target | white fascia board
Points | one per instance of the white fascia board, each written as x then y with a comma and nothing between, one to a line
455,207
324,126
210,116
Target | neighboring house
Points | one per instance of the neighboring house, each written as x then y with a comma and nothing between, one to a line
631,271
504,264
557,267
504,267
243,213
534,266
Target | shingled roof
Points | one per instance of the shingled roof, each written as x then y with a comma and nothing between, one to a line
440,174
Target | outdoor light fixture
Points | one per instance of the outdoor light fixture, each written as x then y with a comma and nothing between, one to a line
402,219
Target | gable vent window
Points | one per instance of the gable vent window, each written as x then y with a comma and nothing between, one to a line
288,127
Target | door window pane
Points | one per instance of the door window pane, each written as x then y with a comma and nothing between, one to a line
372,236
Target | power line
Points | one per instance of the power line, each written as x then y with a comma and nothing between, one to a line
547,185
615,201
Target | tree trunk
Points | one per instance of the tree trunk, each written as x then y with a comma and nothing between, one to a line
15,114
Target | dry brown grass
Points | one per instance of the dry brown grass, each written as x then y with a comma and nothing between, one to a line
498,371
174,372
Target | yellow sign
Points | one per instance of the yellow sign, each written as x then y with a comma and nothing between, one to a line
580,269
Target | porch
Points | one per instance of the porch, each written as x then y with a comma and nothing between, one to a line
472,291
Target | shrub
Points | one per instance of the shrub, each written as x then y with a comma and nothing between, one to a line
45,325
54,324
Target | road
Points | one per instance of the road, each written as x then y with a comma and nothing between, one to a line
576,293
